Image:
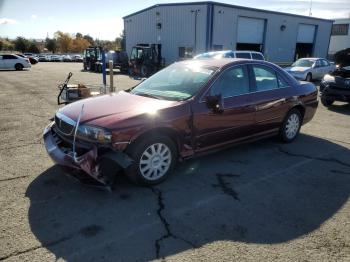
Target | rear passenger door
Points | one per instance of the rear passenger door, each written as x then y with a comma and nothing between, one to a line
272,97
9,61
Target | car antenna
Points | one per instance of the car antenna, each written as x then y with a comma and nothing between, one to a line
75,134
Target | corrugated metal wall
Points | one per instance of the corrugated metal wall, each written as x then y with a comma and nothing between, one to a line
178,24
279,46
178,30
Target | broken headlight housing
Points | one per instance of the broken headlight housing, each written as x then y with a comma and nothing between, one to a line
94,134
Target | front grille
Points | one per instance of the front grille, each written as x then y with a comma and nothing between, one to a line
63,126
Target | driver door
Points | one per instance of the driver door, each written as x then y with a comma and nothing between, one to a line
235,119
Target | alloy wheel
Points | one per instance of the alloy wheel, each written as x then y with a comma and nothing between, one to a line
292,126
155,161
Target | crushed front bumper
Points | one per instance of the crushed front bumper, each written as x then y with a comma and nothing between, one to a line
89,162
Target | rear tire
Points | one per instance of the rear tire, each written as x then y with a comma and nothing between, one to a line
18,67
308,77
144,71
154,160
290,127
326,101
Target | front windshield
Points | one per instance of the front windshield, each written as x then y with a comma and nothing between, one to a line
304,63
176,82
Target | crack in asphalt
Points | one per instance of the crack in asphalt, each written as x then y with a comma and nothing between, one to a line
168,232
13,178
225,186
45,245
331,159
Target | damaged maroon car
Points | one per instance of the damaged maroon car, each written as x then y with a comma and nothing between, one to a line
189,108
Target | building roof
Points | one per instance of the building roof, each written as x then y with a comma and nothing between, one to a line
225,5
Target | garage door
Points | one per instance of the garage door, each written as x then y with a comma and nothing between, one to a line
306,33
250,30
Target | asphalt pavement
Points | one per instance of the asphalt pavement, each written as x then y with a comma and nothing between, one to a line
264,201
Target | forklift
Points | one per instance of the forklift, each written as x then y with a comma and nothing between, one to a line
92,59
145,60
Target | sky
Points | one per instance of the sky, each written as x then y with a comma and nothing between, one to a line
103,19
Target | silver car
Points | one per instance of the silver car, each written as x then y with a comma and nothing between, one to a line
310,68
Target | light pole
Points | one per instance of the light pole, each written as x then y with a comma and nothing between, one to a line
196,11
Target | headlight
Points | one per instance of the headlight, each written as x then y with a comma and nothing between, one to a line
328,78
94,134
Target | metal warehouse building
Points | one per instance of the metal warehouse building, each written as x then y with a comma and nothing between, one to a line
186,29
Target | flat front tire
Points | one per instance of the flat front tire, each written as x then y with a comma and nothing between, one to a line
155,158
290,127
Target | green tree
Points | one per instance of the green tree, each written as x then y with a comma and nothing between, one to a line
7,45
33,48
1,44
51,45
78,35
90,39
21,44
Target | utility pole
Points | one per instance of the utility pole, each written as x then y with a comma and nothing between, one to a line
195,28
310,12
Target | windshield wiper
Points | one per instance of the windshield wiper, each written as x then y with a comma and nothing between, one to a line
147,95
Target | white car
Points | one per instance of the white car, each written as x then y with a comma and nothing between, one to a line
310,68
11,61
231,54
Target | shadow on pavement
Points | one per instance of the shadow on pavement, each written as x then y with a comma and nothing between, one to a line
262,193
340,108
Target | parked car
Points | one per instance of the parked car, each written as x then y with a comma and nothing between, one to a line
43,58
13,61
231,54
335,86
55,58
67,58
32,59
77,58
310,68
188,108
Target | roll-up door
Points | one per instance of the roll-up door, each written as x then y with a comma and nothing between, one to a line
250,33
306,33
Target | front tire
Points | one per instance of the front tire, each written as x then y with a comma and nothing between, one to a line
155,158
290,127
19,67
326,101
308,77
144,71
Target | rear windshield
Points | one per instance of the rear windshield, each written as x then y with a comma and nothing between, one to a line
257,56
243,55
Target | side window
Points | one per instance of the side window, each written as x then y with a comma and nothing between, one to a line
265,78
232,82
324,62
257,56
9,57
243,55
318,63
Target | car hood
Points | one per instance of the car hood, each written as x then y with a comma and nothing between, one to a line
296,69
107,110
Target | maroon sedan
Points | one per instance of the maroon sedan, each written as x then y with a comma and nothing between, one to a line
186,109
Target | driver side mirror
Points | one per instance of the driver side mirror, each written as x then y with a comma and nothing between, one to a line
214,103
